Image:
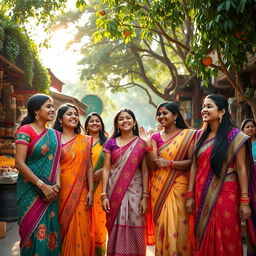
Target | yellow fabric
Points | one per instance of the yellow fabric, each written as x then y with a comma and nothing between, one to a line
172,223
77,232
98,214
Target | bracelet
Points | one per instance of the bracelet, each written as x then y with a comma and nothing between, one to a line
104,193
145,196
145,193
189,195
244,193
58,186
39,183
244,200
103,199
149,148
171,164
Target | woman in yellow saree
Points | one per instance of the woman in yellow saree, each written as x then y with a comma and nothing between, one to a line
76,195
94,127
170,161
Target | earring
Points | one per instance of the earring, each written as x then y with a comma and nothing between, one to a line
61,124
118,130
174,121
220,117
37,117
134,128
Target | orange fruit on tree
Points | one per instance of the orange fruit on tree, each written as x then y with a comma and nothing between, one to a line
102,13
207,61
127,33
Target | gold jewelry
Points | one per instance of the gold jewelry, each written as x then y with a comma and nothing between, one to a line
39,183
39,131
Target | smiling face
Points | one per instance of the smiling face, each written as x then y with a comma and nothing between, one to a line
46,112
94,124
165,117
210,111
249,129
70,118
125,122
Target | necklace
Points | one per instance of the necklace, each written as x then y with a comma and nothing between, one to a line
39,131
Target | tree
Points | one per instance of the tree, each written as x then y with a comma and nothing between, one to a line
227,27
149,61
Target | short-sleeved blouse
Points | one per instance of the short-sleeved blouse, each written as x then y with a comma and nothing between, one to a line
110,145
158,139
25,135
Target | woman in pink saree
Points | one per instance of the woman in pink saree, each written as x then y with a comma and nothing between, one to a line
222,184
125,188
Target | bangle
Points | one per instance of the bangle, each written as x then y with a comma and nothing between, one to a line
39,183
244,193
189,194
145,193
145,196
149,148
102,194
103,199
171,164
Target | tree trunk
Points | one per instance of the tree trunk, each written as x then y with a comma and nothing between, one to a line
196,103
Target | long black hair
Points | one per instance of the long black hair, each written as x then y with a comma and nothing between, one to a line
60,113
172,107
102,132
34,103
220,145
246,121
116,131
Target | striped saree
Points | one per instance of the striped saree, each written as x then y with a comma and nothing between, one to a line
38,220
168,187
75,221
99,216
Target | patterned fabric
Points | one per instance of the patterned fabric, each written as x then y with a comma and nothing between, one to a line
126,228
168,204
217,223
75,222
38,220
99,216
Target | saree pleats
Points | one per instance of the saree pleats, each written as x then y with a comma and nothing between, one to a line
75,221
168,187
38,220
99,216
126,227
217,222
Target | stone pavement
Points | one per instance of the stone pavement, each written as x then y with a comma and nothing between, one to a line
9,246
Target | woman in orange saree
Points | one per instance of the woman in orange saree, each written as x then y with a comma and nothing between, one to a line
76,195
125,184
221,179
170,162
94,127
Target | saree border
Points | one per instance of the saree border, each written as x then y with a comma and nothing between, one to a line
38,203
168,183
213,184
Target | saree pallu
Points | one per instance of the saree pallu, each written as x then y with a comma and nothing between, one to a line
217,221
168,203
126,228
38,220
99,216
75,221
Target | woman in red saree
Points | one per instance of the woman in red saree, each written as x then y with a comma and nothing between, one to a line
170,161
94,127
220,184
125,188
76,195
37,157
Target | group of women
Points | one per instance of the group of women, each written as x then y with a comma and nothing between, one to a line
77,191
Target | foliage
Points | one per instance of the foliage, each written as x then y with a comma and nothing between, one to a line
21,11
15,43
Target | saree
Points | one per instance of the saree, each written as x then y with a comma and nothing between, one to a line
217,220
168,204
99,216
37,219
126,228
75,221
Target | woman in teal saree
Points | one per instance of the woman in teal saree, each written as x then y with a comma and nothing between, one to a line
37,156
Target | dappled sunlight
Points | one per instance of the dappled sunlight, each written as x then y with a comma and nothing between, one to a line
16,248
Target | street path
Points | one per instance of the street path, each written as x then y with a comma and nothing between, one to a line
9,246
